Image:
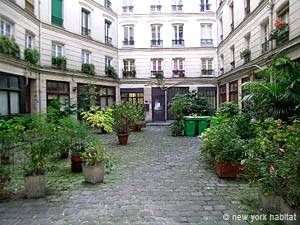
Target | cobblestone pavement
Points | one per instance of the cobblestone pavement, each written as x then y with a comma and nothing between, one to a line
159,180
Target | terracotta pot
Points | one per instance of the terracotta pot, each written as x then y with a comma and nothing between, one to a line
93,174
76,162
229,170
123,139
35,186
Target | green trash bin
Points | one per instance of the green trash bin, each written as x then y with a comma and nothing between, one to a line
190,124
203,123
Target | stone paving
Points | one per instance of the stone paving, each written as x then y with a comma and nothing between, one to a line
160,180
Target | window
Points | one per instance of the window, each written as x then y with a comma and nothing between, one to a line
127,6
265,33
129,64
128,35
205,5
206,35
108,61
107,4
283,14
134,95
57,49
178,67
221,29
57,12
210,94
29,40
222,94
58,90
232,63
178,34
86,57
207,68
85,22
222,64
177,5
233,91
10,92
155,33
155,6
156,66
5,28
232,16
247,7
107,96
29,6
108,39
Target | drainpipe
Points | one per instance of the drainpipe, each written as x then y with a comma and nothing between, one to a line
39,73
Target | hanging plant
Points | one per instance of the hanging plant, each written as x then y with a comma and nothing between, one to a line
31,56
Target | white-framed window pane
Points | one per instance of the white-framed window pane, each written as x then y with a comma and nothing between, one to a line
3,103
14,103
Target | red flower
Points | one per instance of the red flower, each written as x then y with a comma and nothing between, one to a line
279,24
272,168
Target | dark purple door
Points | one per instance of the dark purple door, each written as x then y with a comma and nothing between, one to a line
158,104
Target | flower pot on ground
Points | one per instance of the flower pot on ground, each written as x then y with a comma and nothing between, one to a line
76,162
35,185
229,170
124,115
139,117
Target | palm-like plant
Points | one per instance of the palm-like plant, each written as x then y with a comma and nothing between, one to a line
277,94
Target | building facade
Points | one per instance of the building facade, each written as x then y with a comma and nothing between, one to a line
211,46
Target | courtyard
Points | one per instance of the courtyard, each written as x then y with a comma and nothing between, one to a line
158,180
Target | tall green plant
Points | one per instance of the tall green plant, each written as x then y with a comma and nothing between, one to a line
277,94
8,46
31,56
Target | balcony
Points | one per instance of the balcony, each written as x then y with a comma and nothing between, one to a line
85,31
206,42
155,8
127,8
207,72
205,7
107,4
57,21
157,73
129,74
178,73
108,40
177,8
128,42
156,43
265,47
179,42
232,65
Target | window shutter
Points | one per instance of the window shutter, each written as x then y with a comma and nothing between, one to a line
57,12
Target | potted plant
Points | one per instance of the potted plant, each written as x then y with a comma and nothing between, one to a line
93,165
110,71
88,68
124,116
139,118
8,46
39,144
31,56
246,55
281,32
60,62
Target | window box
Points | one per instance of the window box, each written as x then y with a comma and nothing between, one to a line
207,72
31,56
206,42
88,68
178,42
110,71
281,33
246,55
178,73
59,62
8,46
157,73
85,31
156,43
129,74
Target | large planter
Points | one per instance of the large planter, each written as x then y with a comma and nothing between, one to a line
93,174
228,170
76,162
35,186
123,139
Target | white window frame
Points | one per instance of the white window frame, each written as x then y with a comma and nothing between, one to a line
207,63
29,40
130,33
85,18
156,31
155,6
4,25
86,57
127,6
178,64
108,61
177,5
57,49
206,30
129,64
177,30
205,3
157,64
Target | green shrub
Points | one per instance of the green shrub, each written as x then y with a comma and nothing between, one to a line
8,46
110,71
228,110
31,56
88,69
60,62
177,128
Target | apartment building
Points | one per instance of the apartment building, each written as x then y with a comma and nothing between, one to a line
157,47
247,41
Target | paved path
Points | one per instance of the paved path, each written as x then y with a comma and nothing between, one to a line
159,180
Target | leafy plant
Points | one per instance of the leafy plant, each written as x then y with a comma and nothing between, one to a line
110,71
228,110
177,128
246,55
99,118
60,62
88,68
281,32
8,46
94,154
31,56
124,115
277,94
